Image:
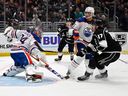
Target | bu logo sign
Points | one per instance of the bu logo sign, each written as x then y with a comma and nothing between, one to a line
121,38
51,40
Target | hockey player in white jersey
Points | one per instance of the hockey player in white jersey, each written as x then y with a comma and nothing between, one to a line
82,32
20,53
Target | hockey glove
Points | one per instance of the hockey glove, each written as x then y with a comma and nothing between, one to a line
89,56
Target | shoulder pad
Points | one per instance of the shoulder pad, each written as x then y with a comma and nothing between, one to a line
82,19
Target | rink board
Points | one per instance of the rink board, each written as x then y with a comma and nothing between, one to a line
50,41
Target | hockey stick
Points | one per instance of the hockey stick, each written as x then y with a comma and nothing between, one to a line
123,61
50,51
85,43
111,52
49,68
41,49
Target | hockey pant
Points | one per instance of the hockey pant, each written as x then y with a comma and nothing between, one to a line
102,60
63,43
61,46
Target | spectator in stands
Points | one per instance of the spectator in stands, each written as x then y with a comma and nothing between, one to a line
15,9
62,17
105,20
1,16
78,13
36,20
124,20
72,15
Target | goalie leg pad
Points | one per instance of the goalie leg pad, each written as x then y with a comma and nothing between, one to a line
12,71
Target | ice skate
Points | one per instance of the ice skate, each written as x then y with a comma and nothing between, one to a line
67,75
86,76
59,58
102,75
70,75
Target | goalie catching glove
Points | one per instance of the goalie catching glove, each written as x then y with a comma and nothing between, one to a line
33,74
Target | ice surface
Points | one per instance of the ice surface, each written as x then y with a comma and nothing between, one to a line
115,85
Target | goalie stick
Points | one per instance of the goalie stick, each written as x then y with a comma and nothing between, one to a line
49,68
46,65
86,44
41,49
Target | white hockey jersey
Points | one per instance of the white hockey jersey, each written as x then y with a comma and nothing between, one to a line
85,31
84,28
24,39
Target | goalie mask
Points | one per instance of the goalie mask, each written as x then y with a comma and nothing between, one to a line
89,12
9,33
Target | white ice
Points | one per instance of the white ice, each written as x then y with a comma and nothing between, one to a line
115,85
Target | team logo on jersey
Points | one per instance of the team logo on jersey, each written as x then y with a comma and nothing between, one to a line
121,38
87,32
